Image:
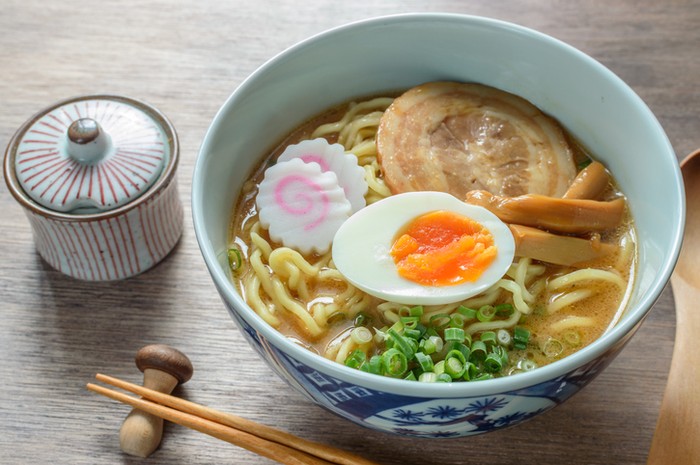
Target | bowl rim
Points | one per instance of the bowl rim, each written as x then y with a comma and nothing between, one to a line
549,372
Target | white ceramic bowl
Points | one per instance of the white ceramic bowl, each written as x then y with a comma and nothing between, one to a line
391,53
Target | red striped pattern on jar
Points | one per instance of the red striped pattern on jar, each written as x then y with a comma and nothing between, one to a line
112,248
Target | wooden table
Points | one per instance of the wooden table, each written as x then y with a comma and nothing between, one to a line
185,57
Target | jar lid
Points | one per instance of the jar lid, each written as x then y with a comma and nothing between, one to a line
91,154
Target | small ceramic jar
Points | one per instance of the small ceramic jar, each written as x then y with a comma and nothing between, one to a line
96,177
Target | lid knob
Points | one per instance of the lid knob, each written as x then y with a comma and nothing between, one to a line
87,142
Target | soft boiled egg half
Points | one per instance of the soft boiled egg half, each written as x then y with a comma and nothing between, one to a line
423,248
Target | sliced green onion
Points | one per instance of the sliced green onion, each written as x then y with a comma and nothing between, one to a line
454,334
439,367
361,335
427,377
552,348
355,359
457,321
493,363
235,258
573,338
416,311
430,345
459,347
470,371
528,365
411,376
502,353
361,319
504,310
402,343
398,327
374,365
394,362
478,352
444,378
409,321
424,361
482,377
437,341
486,313
488,337
455,364
440,321
521,337
467,313
503,337
412,334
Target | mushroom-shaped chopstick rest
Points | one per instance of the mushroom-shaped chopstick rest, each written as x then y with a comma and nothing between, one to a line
163,368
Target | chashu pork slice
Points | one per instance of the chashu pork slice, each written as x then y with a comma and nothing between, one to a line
458,137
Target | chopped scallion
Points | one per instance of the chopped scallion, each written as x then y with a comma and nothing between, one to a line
467,313
356,358
478,352
440,321
488,337
486,313
454,334
552,348
394,363
503,337
235,258
425,362
521,337
361,335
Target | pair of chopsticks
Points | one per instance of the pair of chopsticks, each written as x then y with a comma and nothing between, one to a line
261,439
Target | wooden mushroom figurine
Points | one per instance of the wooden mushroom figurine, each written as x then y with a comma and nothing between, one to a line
163,369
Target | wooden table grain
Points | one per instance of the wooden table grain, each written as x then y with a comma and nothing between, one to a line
185,57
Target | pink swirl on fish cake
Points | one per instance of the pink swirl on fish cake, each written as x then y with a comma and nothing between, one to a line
301,206
302,202
333,157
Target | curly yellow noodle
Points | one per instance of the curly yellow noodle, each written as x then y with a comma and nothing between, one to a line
365,151
626,251
517,291
290,264
260,243
310,325
494,324
586,274
252,292
572,322
521,272
380,103
570,298
429,312
489,297
359,129
377,189
262,272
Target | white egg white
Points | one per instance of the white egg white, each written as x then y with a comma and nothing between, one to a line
362,244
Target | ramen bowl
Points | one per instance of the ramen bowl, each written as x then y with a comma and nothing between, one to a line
386,54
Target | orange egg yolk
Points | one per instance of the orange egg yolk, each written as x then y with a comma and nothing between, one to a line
442,248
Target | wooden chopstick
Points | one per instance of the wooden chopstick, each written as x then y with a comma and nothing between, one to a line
261,439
